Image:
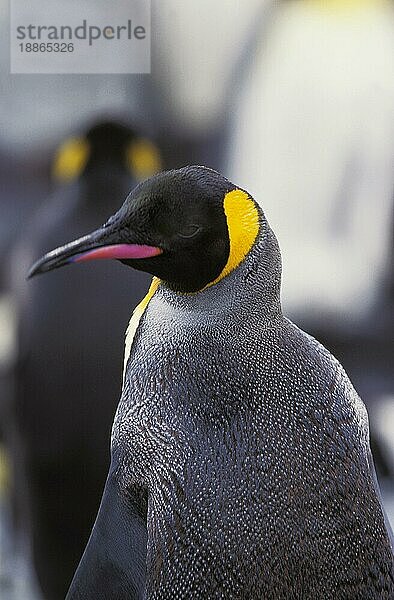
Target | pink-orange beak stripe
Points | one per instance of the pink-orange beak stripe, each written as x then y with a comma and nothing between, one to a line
117,251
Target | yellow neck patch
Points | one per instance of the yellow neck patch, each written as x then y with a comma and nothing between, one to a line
71,159
135,319
243,226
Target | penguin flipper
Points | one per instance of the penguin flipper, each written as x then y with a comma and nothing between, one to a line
113,565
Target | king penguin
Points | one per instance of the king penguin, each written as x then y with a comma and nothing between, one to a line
240,459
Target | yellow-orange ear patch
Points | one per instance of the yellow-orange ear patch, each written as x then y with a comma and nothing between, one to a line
243,226
71,159
143,159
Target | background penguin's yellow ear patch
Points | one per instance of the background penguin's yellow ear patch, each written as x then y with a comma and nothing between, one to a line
5,471
345,5
71,159
143,158
243,225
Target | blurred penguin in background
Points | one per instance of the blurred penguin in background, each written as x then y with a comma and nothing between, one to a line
198,53
68,373
313,137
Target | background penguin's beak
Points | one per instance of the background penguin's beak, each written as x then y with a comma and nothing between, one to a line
100,244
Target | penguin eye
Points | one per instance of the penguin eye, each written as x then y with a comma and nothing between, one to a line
189,231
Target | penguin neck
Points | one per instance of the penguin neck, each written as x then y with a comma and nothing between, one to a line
252,288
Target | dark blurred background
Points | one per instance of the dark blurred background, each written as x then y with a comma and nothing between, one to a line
293,100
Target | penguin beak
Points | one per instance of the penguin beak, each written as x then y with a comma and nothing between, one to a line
98,245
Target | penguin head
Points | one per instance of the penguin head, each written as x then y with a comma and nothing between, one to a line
189,227
102,146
